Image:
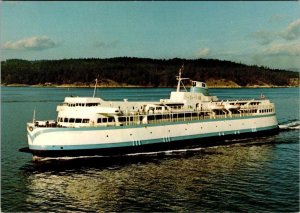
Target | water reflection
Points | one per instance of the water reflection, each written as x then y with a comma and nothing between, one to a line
181,181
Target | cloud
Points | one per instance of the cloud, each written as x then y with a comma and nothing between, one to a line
290,49
277,17
264,37
203,52
33,43
292,32
107,45
278,55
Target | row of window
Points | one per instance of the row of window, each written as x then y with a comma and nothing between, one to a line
74,120
265,110
250,111
85,120
161,116
105,120
150,117
82,104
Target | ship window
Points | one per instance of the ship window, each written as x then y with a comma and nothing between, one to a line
78,120
85,120
158,117
194,114
104,120
110,119
166,116
181,115
65,119
71,120
150,117
122,119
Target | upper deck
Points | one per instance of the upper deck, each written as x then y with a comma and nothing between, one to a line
195,104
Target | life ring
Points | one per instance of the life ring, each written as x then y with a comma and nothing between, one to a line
30,128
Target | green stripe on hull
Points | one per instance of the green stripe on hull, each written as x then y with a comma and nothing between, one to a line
146,142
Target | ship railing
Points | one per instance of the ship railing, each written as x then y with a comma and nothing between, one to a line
260,106
139,118
184,115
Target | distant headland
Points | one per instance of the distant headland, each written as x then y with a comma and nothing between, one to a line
140,72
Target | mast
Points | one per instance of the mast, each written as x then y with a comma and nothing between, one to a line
95,88
179,78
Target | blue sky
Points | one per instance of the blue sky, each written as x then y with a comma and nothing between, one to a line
260,33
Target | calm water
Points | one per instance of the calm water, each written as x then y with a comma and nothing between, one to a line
259,175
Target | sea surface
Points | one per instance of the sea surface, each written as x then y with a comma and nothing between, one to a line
252,175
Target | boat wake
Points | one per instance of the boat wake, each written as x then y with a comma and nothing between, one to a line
157,153
167,152
290,125
41,159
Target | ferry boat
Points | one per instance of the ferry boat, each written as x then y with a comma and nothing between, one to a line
92,126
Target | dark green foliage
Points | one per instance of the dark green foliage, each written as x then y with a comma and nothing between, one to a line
137,71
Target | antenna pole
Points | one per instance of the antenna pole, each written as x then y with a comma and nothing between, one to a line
33,118
179,78
95,88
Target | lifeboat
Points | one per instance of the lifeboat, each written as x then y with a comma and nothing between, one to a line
229,106
216,106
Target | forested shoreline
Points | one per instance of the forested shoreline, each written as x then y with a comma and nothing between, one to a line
125,71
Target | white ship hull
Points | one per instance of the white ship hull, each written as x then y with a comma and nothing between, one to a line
44,141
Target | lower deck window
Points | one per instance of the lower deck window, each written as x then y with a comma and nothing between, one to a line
85,120
105,120
74,120
78,120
